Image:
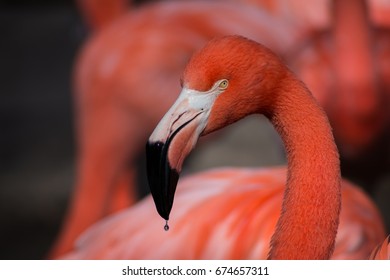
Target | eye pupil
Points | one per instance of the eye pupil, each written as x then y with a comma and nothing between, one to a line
223,84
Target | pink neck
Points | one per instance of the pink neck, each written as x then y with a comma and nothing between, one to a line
353,59
309,219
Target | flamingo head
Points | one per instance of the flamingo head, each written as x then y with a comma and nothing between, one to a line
230,78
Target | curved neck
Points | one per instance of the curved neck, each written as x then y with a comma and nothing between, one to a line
309,218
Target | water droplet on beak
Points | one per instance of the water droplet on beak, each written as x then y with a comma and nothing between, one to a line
166,227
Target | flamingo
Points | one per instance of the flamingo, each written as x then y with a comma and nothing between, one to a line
109,122
348,73
236,213
98,14
123,70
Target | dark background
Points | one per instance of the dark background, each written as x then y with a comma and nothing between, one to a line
39,40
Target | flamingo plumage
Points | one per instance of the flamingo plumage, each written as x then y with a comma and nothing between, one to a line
207,223
382,251
238,213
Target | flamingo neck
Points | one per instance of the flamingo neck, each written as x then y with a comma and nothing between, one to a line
309,218
353,59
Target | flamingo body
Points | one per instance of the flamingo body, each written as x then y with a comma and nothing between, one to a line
223,214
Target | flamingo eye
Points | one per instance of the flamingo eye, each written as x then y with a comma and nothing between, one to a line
223,84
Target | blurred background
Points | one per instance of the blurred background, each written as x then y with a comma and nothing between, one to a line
39,46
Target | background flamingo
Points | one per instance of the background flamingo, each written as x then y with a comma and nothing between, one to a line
297,118
98,14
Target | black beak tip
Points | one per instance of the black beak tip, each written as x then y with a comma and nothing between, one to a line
161,177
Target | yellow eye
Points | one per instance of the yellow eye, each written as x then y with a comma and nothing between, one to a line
223,84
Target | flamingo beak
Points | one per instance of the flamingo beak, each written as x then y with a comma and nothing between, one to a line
171,142
162,177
